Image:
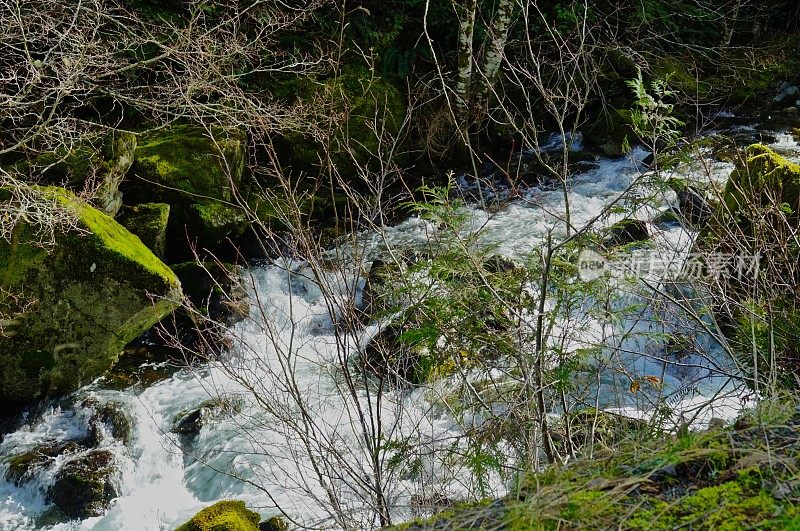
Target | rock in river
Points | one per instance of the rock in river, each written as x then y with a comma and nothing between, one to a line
76,302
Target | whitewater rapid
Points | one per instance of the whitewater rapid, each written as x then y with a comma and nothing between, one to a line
249,456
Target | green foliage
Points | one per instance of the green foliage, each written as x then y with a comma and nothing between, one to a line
651,116
736,478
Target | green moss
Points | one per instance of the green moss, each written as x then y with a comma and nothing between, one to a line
362,100
148,221
697,481
182,164
92,294
85,485
223,516
729,506
681,78
765,179
114,237
213,221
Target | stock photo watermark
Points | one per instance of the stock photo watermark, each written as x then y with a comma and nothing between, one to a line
694,266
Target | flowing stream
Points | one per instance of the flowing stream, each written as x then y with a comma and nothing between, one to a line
166,478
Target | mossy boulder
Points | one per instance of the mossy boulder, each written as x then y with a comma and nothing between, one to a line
110,419
85,485
21,467
765,179
184,163
198,173
148,221
612,132
212,222
223,516
626,232
361,100
77,303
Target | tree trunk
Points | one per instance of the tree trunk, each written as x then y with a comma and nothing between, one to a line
466,11
730,24
498,34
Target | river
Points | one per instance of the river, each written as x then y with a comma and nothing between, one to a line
289,345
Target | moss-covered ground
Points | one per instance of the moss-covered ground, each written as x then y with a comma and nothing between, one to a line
743,476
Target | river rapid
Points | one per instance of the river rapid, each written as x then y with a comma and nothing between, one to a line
289,345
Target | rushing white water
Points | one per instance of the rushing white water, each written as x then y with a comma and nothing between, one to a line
289,348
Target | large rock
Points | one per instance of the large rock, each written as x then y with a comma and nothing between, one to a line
78,303
223,516
765,179
148,221
759,214
197,175
85,485
625,232
612,132
359,100
22,467
183,164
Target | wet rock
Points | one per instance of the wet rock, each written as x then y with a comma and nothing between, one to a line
95,290
86,485
276,523
625,232
374,296
789,92
612,132
112,419
694,207
392,357
191,422
668,216
215,288
143,363
500,264
22,466
224,516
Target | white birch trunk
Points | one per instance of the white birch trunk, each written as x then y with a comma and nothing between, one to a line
498,34
466,11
